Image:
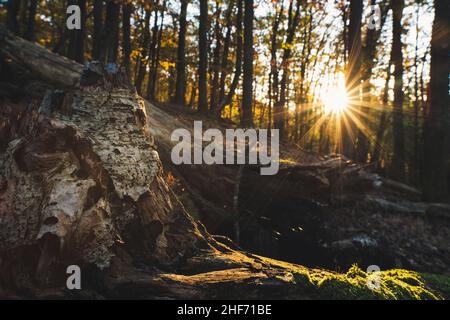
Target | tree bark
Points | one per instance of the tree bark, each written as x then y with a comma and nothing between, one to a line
398,158
144,59
280,104
77,37
247,82
228,99
98,29
203,58
123,214
155,53
437,136
110,35
226,50
127,11
368,54
30,30
379,140
12,22
353,80
215,65
180,85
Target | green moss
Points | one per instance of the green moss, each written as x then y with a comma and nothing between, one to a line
438,283
393,284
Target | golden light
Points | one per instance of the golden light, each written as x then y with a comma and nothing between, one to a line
335,100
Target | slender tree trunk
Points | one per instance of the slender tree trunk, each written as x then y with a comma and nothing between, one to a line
247,83
30,30
81,40
113,23
12,22
144,54
437,135
416,158
238,68
383,119
368,63
180,85
280,105
110,35
98,29
273,76
215,67
226,49
353,81
398,159
127,11
203,58
155,54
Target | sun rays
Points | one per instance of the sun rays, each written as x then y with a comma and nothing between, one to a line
341,112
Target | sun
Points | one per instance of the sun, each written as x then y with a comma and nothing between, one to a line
335,98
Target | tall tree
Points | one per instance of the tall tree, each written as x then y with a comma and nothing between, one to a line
382,124
247,83
110,33
273,75
31,21
437,135
398,159
368,62
215,65
353,79
226,50
98,29
143,61
203,58
12,22
155,52
127,11
280,105
77,37
180,85
227,100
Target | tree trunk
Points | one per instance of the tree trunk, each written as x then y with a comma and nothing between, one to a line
30,30
226,50
215,65
238,65
203,58
12,22
155,54
368,54
398,158
280,105
437,135
122,214
353,81
143,61
98,29
273,76
110,36
127,11
379,140
77,37
247,82
180,85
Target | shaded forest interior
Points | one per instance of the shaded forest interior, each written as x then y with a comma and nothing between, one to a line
359,91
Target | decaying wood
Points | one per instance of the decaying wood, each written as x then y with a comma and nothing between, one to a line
81,178
41,62
81,182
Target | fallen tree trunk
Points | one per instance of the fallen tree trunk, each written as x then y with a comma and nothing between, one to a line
84,181
39,61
